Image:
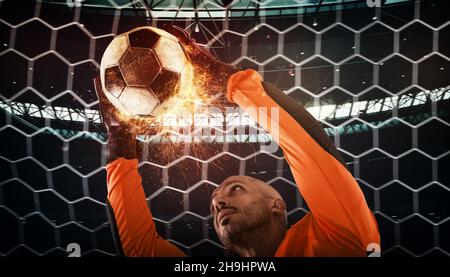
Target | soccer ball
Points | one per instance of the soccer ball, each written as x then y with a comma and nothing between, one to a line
141,69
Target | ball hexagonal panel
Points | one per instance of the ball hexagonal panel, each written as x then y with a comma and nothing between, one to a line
114,52
139,67
114,82
170,55
166,84
139,100
143,38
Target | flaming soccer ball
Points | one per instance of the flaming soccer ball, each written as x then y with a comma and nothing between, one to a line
141,69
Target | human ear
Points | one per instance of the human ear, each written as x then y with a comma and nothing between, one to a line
278,206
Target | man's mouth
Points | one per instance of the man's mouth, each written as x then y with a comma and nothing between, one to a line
224,215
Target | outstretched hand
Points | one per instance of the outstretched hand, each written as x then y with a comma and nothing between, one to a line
111,117
121,133
217,71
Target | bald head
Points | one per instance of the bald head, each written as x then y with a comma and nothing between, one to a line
242,206
262,187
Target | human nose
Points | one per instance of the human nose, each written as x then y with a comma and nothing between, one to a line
218,203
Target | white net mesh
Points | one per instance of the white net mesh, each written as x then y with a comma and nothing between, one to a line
376,77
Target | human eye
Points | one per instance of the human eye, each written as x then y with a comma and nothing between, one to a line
236,188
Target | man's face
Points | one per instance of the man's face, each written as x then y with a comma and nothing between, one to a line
239,205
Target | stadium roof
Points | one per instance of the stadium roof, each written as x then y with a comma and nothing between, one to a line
223,8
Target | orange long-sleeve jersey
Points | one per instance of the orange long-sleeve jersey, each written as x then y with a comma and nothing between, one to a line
340,222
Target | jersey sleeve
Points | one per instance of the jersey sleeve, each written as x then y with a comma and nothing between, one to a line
336,201
133,219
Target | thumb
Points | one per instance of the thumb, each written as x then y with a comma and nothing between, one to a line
106,109
178,32
188,44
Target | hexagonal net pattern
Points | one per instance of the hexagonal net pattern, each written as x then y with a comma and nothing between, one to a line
377,78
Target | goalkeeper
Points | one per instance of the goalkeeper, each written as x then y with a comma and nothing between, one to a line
249,215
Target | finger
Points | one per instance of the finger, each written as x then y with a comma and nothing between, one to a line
100,96
178,32
102,99
188,44
182,31
106,109
143,126
98,88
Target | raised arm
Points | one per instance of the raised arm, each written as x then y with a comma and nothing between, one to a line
126,197
337,203
137,231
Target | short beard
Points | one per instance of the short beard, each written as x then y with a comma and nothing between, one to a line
240,233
